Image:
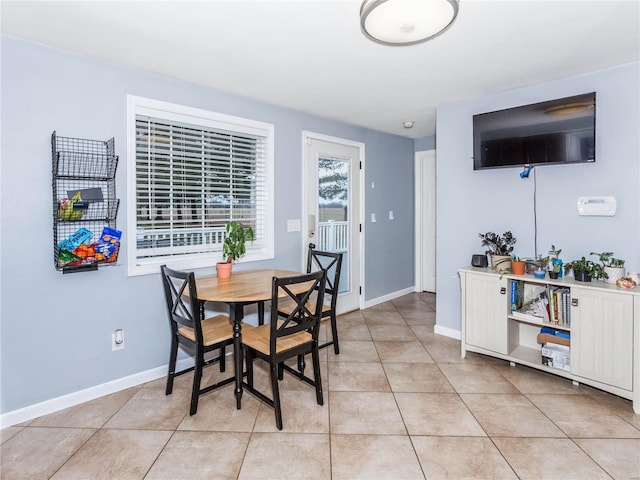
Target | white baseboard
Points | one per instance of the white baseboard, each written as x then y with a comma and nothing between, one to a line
60,403
447,332
390,296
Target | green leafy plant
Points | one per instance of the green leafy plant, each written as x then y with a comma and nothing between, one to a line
607,259
555,252
498,244
593,269
542,262
539,262
235,240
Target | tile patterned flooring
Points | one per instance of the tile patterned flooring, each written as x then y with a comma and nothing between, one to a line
400,403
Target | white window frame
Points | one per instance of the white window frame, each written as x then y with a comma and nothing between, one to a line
179,113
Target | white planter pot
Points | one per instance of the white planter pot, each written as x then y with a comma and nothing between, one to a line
501,263
613,274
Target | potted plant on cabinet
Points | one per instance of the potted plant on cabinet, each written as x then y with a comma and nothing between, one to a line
518,265
541,262
234,247
499,247
613,268
555,270
555,262
584,270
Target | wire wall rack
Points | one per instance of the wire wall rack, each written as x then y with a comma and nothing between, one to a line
85,206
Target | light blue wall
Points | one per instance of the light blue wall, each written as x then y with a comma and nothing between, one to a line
470,202
56,329
388,239
425,143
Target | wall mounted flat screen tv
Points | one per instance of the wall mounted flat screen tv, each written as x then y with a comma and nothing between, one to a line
559,131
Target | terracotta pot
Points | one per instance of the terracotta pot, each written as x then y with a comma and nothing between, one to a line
518,267
223,269
500,263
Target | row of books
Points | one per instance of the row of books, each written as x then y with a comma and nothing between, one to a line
559,305
535,302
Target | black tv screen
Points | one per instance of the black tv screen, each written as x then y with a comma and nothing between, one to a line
547,133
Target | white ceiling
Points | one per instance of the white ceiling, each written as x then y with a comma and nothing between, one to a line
311,56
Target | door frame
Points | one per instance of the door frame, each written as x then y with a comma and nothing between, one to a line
308,135
419,227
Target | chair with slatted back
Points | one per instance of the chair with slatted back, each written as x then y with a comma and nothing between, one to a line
331,262
288,335
193,334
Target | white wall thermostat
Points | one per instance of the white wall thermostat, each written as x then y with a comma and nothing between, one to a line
600,206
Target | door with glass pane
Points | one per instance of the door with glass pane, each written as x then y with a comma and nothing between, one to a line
332,205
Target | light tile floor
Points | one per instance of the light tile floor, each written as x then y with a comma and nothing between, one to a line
400,403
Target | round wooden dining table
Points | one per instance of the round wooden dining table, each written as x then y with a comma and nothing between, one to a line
242,288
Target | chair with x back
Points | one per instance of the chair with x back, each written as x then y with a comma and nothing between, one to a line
331,262
194,334
288,335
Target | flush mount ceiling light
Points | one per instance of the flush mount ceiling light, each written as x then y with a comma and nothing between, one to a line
406,22
569,108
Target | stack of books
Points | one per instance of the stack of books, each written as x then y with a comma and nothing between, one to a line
556,348
556,356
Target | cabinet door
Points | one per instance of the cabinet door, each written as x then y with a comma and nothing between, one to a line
485,312
602,336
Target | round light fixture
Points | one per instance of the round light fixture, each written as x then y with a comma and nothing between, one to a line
406,22
569,108
408,124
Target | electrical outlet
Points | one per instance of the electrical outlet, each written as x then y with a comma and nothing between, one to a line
117,340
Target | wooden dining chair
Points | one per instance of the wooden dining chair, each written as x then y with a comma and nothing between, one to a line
331,262
192,333
288,335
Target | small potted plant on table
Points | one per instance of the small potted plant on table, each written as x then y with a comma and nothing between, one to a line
613,268
234,247
499,247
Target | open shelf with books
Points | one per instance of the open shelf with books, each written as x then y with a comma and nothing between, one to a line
526,342
586,332
541,304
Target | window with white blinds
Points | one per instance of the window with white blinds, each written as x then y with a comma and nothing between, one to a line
194,171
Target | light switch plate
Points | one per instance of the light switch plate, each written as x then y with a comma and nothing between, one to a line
293,225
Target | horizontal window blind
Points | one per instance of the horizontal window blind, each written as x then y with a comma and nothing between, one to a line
190,180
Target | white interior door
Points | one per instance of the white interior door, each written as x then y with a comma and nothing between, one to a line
332,179
425,188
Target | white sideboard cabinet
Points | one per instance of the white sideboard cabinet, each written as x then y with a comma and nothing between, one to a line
602,320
